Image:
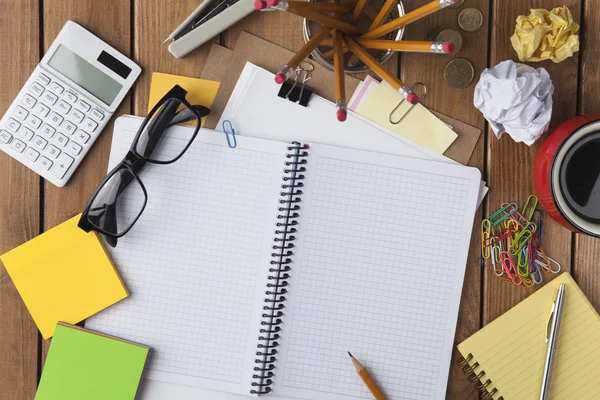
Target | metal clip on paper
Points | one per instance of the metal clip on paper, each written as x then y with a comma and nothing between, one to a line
421,97
229,131
298,93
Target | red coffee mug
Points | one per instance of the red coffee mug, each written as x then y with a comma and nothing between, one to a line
567,174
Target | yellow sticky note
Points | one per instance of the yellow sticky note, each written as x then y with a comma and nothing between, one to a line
64,274
200,91
419,125
546,35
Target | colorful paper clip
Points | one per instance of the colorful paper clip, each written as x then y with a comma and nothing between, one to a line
229,131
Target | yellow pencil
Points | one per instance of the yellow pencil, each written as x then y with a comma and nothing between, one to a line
367,379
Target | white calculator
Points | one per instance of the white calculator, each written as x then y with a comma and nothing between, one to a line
66,103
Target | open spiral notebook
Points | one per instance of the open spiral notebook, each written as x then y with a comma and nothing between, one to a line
256,269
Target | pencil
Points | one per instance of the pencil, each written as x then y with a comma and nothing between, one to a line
358,9
324,20
338,68
407,18
287,71
383,13
381,71
409,46
314,6
367,379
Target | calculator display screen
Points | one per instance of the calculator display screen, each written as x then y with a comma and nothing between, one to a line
85,74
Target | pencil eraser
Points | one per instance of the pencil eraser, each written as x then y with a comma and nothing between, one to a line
448,47
260,4
412,98
272,3
280,78
341,115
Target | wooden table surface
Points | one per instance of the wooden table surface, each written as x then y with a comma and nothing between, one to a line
30,206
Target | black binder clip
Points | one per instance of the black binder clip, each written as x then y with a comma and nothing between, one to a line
297,91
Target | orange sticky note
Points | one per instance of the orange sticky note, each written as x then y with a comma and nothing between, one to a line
65,274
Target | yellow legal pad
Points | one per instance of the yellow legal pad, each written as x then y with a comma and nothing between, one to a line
64,274
511,349
200,91
419,125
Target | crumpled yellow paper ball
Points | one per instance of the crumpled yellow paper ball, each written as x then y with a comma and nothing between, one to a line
546,35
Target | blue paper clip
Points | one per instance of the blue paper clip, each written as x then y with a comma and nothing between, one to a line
228,129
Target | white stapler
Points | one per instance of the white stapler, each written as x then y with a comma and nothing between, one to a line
209,19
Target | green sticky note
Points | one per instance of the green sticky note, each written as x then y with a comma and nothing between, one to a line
83,364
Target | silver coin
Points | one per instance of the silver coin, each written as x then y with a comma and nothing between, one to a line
470,19
459,73
450,35
457,4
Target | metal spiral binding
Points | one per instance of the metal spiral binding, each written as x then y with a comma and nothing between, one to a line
285,229
467,368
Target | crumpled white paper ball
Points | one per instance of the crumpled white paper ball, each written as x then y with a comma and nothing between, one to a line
517,99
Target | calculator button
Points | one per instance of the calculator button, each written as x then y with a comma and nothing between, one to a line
26,133
28,101
45,163
77,115
89,125
5,137
74,148
47,130
61,139
70,97
52,151
82,137
62,165
20,113
36,89
68,127
41,110
97,115
63,107
31,154
39,143
18,145
82,105
56,88
43,79
12,124
33,121
50,98
55,119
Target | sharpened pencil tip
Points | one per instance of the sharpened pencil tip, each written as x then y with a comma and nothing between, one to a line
350,354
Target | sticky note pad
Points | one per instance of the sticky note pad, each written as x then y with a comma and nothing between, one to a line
419,124
84,364
200,91
64,274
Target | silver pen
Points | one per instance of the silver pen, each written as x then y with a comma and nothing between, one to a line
551,339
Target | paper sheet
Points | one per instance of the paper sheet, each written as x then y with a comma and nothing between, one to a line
86,364
64,274
200,91
418,124
511,349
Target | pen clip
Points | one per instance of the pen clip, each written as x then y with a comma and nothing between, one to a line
549,320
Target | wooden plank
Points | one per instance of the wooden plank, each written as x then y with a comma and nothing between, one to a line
19,205
510,164
110,21
154,21
429,69
587,249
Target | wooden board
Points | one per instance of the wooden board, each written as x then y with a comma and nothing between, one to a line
19,205
510,164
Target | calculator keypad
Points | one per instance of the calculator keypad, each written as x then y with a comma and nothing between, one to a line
50,126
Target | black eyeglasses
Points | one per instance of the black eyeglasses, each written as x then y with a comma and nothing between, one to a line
121,197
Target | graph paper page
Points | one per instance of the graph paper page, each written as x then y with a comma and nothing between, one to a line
380,262
196,262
